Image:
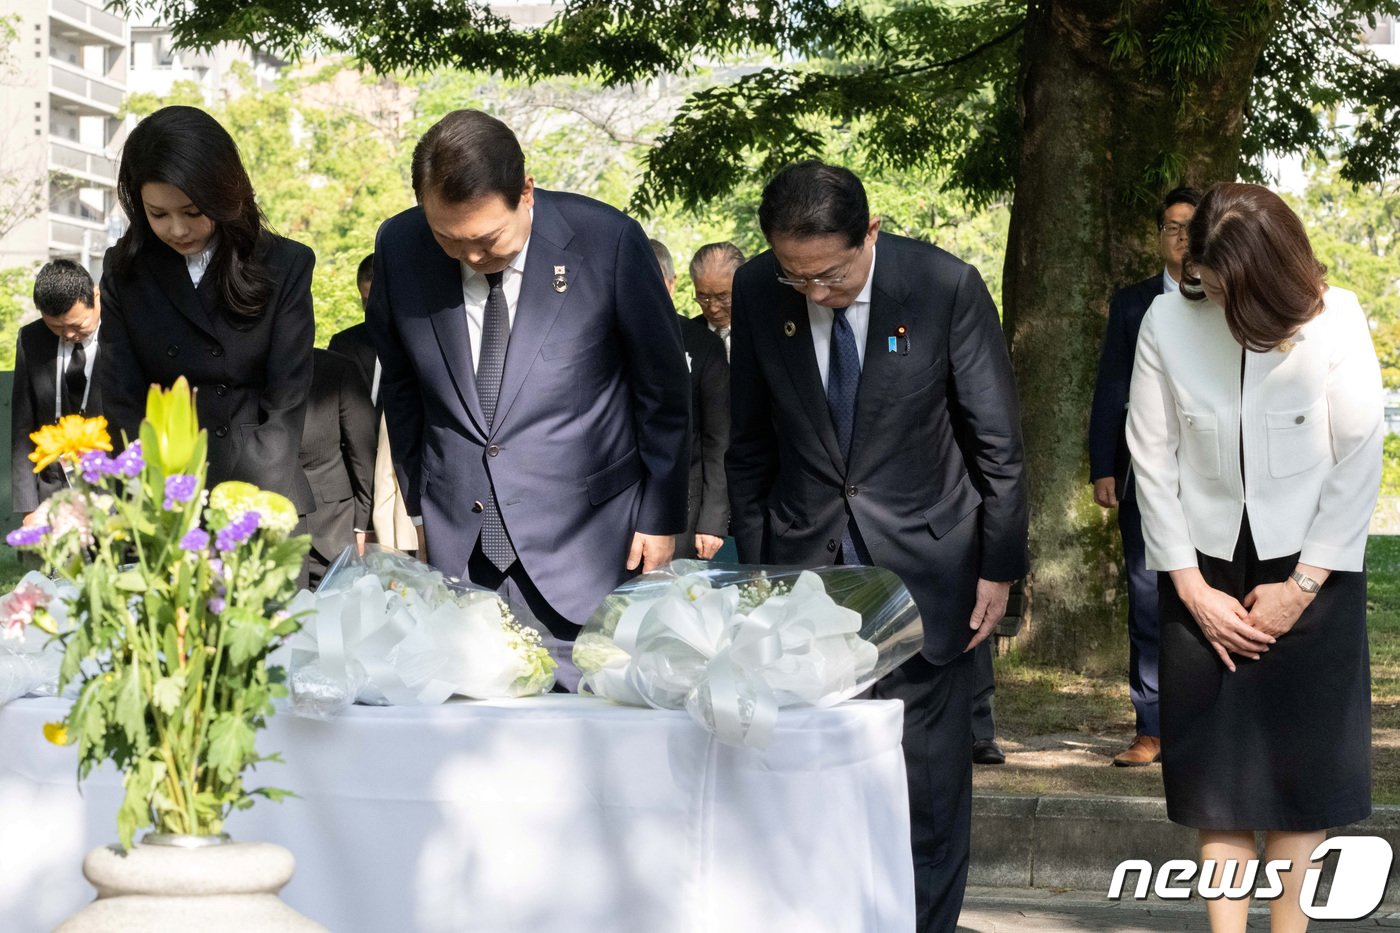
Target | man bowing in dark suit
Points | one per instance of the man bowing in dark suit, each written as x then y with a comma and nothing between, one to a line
54,365
875,422
533,380
1109,466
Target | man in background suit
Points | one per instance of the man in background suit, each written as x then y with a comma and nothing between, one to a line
860,361
55,363
712,271
1110,466
337,453
355,341
533,379
707,506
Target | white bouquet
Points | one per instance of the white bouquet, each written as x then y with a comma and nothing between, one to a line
386,629
31,615
733,645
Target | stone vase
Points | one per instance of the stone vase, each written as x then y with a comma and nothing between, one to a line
225,887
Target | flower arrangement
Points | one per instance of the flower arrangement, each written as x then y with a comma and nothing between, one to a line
179,597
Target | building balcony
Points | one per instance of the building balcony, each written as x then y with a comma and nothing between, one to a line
71,235
83,164
86,24
76,91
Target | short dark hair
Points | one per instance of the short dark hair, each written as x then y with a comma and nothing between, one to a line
726,253
664,260
187,148
1182,195
1252,240
813,199
61,284
469,155
366,271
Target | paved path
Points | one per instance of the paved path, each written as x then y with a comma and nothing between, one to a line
1035,910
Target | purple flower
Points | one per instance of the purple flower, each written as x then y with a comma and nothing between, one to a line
26,537
216,605
179,489
216,566
196,539
129,462
237,531
95,465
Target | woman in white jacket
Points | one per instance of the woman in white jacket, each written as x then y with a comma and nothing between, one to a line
1255,424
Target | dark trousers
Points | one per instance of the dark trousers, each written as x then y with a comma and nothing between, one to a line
938,758
1142,615
514,585
984,727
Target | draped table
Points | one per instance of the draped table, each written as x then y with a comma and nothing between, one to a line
550,814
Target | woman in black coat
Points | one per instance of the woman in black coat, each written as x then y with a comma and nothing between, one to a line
199,287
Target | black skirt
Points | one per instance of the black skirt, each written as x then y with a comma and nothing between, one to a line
1284,743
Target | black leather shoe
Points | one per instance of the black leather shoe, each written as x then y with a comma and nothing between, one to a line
987,752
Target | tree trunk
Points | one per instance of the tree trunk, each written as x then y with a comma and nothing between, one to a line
1095,157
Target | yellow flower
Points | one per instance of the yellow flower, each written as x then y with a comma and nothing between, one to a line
56,732
72,437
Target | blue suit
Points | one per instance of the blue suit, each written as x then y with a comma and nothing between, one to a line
591,436
1108,456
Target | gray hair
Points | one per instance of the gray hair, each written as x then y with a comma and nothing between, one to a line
726,253
663,259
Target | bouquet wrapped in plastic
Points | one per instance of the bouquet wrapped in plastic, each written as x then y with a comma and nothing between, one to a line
30,656
732,645
385,629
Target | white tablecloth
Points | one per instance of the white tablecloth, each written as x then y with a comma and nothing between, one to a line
546,815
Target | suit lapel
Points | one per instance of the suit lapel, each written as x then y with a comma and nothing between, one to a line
539,303
42,373
880,365
442,292
801,360
173,276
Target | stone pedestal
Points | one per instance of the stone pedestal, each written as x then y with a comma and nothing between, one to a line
228,888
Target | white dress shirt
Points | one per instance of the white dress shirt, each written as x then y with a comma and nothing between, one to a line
65,353
199,263
1169,284
857,315
1308,420
475,291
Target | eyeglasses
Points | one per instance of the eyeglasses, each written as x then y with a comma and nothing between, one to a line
719,301
821,281
1173,230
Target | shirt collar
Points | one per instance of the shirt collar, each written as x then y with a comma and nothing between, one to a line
1169,284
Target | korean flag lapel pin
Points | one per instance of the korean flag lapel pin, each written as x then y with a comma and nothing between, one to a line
561,284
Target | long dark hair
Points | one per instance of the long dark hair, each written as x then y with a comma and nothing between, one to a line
187,148
1258,248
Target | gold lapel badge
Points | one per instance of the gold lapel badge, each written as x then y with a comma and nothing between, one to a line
561,284
789,328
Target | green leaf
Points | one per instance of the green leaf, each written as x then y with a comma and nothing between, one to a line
130,581
167,693
129,707
230,746
248,637
274,793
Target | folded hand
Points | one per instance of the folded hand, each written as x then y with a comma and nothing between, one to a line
1274,607
1223,621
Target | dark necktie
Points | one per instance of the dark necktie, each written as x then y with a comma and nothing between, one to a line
75,381
842,384
843,380
495,335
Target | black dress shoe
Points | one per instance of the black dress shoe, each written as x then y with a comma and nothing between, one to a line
987,752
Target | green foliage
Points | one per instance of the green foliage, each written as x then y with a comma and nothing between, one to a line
1390,466
16,300
171,638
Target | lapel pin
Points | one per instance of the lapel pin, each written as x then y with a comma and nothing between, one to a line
789,328
901,335
561,284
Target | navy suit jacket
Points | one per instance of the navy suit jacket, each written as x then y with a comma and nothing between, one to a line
591,438
31,407
1108,419
935,476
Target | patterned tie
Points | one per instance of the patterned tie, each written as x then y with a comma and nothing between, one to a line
843,380
842,384
495,335
75,381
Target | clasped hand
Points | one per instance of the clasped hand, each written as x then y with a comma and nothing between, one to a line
1247,627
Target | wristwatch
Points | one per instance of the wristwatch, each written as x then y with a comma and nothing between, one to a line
1305,583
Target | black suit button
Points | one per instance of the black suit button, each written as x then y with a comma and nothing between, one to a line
478,506
831,545
216,351
851,491
221,431
172,350
492,450
221,391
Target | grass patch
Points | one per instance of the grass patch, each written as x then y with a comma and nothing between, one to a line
10,569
